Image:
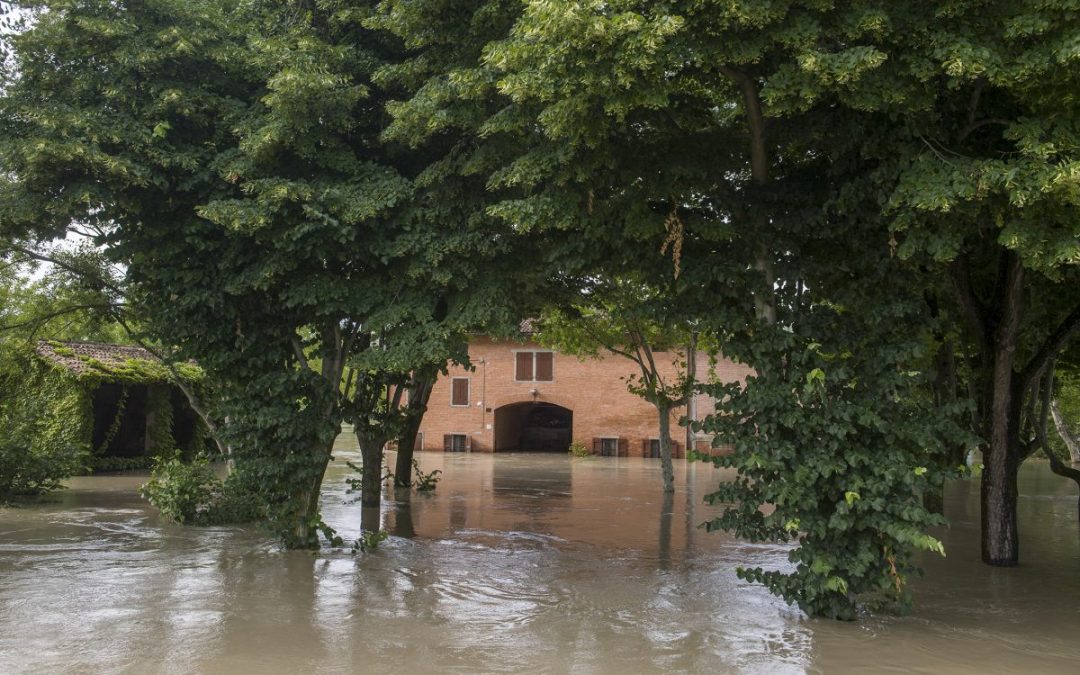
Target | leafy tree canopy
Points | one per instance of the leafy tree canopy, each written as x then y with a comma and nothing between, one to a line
232,155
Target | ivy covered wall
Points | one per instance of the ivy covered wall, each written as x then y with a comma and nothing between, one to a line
54,410
46,430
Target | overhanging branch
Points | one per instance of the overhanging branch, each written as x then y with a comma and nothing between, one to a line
1050,348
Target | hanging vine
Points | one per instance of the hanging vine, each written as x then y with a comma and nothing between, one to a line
114,428
673,225
160,439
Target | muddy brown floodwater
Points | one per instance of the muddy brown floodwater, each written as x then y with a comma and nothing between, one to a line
517,563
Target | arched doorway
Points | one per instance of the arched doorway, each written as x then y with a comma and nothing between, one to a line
533,427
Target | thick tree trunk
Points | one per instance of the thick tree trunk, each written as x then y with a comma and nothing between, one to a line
371,450
417,406
1000,539
305,534
371,518
665,447
1066,435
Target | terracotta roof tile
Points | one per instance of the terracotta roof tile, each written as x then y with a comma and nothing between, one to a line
77,356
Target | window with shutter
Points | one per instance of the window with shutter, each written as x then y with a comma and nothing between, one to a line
459,391
534,366
654,448
545,367
609,447
524,370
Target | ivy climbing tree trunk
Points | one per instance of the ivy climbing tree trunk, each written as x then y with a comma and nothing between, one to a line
307,519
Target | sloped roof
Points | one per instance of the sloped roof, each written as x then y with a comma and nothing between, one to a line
98,358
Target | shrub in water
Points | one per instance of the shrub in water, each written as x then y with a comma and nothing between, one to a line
32,461
190,493
579,450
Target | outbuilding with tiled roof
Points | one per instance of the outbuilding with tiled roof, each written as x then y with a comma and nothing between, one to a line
128,406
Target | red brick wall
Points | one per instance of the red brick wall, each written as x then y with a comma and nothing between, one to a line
593,389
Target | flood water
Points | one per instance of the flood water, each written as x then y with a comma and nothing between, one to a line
535,563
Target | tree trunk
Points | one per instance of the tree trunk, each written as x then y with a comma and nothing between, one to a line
305,533
1063,431
371,518
691,398
764,301
665,447
371,450
667,510
417,406
1000,539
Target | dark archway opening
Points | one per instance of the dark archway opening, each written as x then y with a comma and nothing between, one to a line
533,427
126,436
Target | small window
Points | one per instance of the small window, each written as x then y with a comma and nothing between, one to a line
654,448
459,392
418,445
609,447
455,443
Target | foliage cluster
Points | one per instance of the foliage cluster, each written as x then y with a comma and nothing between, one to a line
578,449
190,493
837,447
421,482
319,200
46,414
46,429
108,463
238,170
369,541
425,482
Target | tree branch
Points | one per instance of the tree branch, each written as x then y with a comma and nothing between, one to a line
298,349
1051,347
1063,430
178,380
30,253
61,312
1056,465
966,131
973,309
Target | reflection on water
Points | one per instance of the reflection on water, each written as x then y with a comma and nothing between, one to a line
516,562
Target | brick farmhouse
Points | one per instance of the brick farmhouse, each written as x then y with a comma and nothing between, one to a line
520,396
